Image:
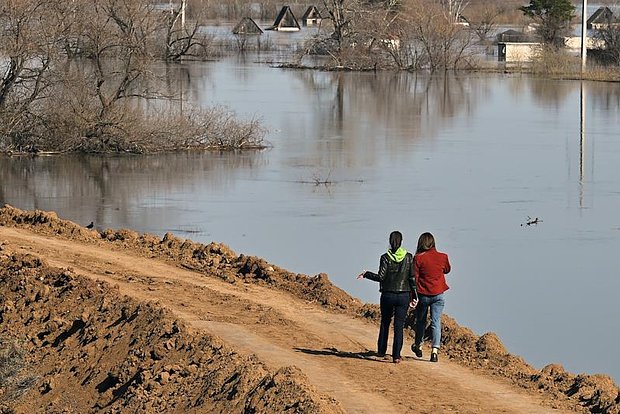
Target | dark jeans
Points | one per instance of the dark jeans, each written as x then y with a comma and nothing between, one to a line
392,304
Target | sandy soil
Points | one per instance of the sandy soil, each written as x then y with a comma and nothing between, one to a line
271,317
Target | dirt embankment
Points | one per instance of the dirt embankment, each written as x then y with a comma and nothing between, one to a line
90,349
123,354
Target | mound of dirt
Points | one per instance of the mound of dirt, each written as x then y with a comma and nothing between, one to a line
89,349
593,393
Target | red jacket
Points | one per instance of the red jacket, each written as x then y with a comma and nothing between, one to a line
429,268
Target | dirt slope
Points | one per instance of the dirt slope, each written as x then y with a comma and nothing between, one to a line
268,320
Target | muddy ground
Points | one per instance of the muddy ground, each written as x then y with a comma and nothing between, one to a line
117,321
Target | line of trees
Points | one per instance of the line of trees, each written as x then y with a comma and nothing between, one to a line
405,35
415,34
72,75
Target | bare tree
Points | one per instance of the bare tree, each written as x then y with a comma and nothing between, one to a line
75,76
356,31
454,8
483,20
184,39
609,34
416,34
341,14
116,39
392,41
441,43
28,46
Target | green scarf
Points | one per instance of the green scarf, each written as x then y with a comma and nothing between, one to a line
398,255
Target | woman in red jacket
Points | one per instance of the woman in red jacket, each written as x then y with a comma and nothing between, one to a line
429,268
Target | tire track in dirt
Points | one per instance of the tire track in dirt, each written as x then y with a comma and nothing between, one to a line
329,348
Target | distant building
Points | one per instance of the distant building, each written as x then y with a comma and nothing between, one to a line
574,43
515,46
462,21
515,36
247,26
311,17
602,18
531,28
286,21
517,52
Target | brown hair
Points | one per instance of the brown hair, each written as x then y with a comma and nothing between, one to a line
396,238
425,242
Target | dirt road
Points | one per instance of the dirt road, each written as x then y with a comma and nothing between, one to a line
333,350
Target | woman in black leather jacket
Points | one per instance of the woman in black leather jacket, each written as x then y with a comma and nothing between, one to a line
398,293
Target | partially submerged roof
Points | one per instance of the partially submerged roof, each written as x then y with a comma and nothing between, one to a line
247,26
285,21
603,15
311,13
515,36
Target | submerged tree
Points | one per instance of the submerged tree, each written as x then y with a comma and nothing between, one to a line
372,35
347,35
483,20
29,41
116,39
341,13
553,17
609,34
183,39
441,43
454,8
76,76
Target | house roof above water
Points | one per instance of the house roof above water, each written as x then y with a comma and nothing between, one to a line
247,26
285,20
603,15
515,37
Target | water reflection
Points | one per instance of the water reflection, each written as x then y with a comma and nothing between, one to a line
346,110
357,115
110,190
545,93
179,84
552,93
415,102
605,97
582,141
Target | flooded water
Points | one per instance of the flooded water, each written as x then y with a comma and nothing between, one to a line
468,158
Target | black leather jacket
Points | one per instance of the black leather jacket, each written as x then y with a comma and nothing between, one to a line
394,276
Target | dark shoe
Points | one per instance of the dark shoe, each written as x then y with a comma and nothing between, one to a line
397,360
434,357
417,351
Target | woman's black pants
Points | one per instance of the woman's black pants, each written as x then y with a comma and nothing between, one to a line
392,304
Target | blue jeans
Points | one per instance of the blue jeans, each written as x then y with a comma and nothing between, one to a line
392,304
436,304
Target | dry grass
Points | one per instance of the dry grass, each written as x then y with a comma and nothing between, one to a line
13,383
151,131
214,128
552,61
555,63
602,73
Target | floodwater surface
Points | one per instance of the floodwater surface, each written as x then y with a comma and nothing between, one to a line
468,157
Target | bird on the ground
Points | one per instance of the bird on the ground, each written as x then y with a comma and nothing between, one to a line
91,225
